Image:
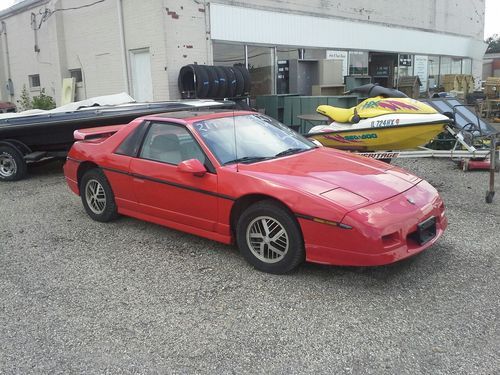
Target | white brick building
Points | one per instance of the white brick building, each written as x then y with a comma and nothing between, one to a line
138,46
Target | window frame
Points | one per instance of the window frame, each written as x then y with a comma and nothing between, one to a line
133,149
269,119
76,73
31,77
145,131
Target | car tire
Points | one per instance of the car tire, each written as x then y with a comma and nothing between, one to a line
213,79
221,74
247,80
269,238
240,81
202,81
97,196
230,82
185,82
12,164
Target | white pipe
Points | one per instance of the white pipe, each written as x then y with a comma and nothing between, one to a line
7,56
122,45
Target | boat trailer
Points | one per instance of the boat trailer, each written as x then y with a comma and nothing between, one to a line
469,158
467,128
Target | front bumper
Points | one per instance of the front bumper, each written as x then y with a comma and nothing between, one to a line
381,233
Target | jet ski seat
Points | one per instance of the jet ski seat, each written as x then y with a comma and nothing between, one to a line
374,107
343,115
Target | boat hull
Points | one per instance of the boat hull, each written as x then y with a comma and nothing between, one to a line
57,135
380,139
54,131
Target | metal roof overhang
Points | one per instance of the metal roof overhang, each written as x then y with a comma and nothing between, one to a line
256,26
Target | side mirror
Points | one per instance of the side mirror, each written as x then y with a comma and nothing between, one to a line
193,166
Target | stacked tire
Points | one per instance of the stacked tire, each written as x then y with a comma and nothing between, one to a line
214,82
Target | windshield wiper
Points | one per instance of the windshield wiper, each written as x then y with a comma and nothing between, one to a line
247,159
290,151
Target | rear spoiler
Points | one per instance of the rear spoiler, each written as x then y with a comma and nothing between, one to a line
92,133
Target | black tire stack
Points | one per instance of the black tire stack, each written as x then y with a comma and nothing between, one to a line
214,82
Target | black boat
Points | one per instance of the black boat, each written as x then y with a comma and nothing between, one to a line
32,137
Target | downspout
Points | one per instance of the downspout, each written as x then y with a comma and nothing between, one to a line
246,66
122,45
208,37
7,58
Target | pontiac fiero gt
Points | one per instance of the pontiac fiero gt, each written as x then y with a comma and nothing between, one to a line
241,177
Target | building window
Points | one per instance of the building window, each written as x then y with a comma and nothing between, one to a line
34,81
456,66
342,56
283,56
76,74
444,70
314,54
466,66
405,65
226,54
261,65
285,53
358,62
433,72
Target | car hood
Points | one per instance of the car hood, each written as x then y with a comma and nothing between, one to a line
336,175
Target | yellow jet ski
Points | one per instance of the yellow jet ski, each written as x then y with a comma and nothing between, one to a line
380,124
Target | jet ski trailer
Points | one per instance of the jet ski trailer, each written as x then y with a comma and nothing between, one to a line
30,137
391,125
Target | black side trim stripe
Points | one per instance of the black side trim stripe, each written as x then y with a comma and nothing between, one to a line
116,171
180,186
169,183
302,216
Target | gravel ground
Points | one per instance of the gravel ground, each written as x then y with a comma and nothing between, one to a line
132,297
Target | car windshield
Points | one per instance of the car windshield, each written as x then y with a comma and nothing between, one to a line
250,138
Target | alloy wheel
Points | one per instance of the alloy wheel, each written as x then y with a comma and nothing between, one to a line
267,239
95,196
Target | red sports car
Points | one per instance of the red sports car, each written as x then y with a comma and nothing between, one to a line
243,177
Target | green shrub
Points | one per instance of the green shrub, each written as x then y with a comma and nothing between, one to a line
42,101
24,103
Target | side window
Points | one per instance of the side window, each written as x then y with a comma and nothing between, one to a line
130,146
168,143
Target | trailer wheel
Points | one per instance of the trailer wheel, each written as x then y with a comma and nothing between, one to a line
12,164
489,196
